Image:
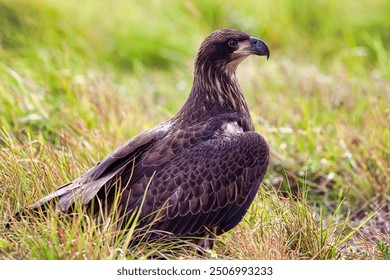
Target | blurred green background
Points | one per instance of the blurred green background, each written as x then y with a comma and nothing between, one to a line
123,34
84,76
78,78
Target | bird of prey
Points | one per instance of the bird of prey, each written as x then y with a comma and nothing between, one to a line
195,174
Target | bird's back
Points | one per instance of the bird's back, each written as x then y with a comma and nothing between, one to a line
187,179
198,178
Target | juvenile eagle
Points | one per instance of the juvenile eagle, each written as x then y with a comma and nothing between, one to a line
198,171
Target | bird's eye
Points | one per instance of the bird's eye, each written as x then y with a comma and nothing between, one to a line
232,43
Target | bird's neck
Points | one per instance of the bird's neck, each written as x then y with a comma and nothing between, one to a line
214,92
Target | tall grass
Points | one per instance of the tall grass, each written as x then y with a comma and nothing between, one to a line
77,80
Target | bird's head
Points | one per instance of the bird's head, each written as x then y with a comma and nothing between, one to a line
226,48
215,88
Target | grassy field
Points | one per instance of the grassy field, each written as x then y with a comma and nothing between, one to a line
77,80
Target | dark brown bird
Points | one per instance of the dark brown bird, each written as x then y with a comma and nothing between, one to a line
197,172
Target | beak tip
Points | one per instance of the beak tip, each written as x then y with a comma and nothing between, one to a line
260,47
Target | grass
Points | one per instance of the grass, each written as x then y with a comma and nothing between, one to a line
75,83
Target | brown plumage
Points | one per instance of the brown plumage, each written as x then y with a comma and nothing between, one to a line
198,171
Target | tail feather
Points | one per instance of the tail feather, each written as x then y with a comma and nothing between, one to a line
81,189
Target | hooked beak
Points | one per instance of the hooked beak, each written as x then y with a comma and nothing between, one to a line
258,47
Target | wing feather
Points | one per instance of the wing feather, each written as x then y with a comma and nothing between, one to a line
229,192
89,184
200,178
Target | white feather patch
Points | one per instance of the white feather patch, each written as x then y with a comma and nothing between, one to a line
231,128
